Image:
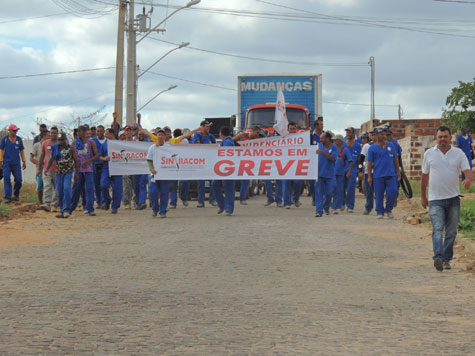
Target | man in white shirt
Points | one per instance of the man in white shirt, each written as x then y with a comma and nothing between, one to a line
440,169
158,189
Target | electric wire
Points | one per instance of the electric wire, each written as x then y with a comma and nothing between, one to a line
55,73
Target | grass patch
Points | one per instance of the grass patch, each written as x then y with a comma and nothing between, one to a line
31,198
4,210
416,189
467,219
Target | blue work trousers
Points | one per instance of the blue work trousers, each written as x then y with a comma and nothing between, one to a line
324,188
8,169
63,191
225,202
139,182
97,183
85,184
339,192
381,186
202,192
369,194
311,189
289,194
184,190
117,189
444,215
270,191
350,191
173,185
244,189
158,192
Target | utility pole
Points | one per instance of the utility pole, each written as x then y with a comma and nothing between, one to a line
399,111
371,63
119,67
131,104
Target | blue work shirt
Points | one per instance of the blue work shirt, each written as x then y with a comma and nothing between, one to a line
465,144
228,141
355,152
326,168
343,160
383,160
199,138
98,146
103,152
314,138
11,150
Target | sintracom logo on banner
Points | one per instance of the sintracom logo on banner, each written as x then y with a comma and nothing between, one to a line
124,156
182,163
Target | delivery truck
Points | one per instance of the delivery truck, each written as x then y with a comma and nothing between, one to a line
257,94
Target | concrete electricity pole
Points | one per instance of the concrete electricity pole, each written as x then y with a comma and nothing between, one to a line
131,104
371,63
119,67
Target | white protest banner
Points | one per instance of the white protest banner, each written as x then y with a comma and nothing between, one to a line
296,139
280,117
128,157
198,162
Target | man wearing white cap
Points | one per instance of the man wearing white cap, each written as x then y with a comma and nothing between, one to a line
11,149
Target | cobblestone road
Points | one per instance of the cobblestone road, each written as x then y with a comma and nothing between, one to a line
266,281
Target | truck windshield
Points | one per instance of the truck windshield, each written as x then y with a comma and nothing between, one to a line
265,117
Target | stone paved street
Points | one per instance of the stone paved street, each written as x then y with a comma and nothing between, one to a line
266,281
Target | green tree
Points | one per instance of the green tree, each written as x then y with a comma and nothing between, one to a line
460,110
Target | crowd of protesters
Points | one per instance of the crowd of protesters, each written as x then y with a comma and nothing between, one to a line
76,176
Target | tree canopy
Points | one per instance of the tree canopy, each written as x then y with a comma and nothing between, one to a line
460,107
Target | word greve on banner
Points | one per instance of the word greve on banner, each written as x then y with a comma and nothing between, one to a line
198,162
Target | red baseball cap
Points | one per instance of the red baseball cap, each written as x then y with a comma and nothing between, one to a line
13,127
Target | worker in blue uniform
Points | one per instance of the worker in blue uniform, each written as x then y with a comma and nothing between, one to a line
344,160
226,202
464,142
351,133
383,173
292,187
204,137
351,174
363,172
99,139
107,180
315,140
325,184
11,150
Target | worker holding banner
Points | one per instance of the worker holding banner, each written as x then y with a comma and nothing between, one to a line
290,198
158,190
107,180
225,203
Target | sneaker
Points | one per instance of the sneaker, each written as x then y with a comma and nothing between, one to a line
318,215
143,206
185,203
15,198
390,215
297,203
446,265
220,210
269,202
113,211
366,212
214,204
44,207
349,210
163,216
327,212
243,202
380,216
9,202
92,214
154,214
106,207
438,264
335,211
172,206
128,207
280,205
287,206
60,216
229,214
66,215
200,206
85,212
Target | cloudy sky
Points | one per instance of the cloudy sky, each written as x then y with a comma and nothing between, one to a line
422,48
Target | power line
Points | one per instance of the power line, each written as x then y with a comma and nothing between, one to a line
328,64
34,18
55,73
